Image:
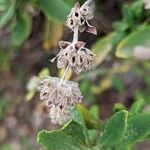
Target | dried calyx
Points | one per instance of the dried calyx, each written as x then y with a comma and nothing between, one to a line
60,99
76,56
80,17
62,95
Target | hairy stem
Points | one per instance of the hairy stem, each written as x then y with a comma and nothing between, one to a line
75,35
87,2
75,40
64,75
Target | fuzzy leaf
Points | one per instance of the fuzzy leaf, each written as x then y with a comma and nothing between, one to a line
115,129
91,121
70,137
138,128
21,29
140,37
77,116
56,10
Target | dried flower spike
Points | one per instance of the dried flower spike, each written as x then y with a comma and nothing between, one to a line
60,97
79,18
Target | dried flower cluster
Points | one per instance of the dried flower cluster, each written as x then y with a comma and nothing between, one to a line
79,17
75,56
60,99
62,95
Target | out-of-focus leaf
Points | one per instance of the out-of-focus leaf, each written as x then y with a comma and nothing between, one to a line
70,2
21,29
140,37
7,13
138,128
32,84
102,47
53,33
137,106
137,8
32,87
120,26
118,107
56,10
115,129
94,110
128,15
4,60
117,83
3,107
70,137
103,85
147,79
85,87
5,146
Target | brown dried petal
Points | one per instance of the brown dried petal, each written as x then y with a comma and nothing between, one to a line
63,44
79,45
91,29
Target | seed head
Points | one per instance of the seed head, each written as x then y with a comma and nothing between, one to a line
76,56
79,16
61,97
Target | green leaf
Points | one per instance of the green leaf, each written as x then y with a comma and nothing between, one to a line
77,116
137,106
138,128
115,129
118,107
3,107
4,60
56,10
128,15
91,121
93,136
102,47
138,8
70,137
21,29
121,26
140,37
94,110
7,14
86,89
117,83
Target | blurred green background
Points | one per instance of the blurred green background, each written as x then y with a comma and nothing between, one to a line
29,35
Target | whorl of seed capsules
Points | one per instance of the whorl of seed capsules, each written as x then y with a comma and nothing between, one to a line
60,98
79,17
75,56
